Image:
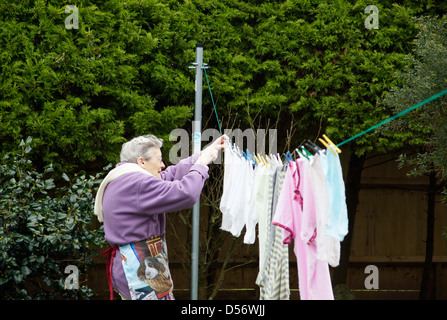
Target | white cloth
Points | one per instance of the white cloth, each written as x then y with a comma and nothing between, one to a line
328,248
237,202
238,196
112,175
251,217
225,204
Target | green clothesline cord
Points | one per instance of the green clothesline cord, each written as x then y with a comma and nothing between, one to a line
436,96
420,104
212,100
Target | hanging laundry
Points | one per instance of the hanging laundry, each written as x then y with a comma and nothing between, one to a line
295,213
328,219
337,223
224,204
258,194
328,247
300,201
263,204
273,276
236,204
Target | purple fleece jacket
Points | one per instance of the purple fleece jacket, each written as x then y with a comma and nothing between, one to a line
134,206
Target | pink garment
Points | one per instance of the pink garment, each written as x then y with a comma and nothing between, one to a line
295,212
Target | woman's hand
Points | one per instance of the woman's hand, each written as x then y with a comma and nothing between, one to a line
210,153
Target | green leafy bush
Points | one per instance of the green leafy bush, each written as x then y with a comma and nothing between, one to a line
43,229
81,93
424,130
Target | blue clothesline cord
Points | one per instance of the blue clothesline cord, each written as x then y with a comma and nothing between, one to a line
212,100
420,104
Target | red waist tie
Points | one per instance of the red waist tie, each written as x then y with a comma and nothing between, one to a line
110,253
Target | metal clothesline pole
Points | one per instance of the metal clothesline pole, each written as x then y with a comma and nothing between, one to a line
197,139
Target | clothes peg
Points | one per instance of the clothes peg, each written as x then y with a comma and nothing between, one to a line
256,159
247,155
302,153
305,151
267,160
278,156
237,150
313,147
250,158
296,151
327,146
274,158
290,155
331,143
261,160
264,160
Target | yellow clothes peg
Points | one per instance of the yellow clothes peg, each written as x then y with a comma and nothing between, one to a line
267,161
331,143
327,147
256,159
261,159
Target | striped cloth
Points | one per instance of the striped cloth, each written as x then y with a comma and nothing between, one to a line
273,276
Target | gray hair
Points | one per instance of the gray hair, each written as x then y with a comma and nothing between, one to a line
141,146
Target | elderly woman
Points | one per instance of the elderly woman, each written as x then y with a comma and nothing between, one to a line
132,201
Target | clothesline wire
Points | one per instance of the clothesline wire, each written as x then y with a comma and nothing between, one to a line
420,104
400,114
212,100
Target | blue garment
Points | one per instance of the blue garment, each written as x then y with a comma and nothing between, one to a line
337,223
